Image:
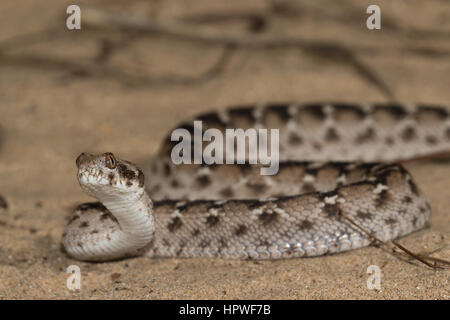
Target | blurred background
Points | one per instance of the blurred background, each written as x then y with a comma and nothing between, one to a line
137,68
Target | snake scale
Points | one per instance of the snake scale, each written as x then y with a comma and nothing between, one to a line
336,160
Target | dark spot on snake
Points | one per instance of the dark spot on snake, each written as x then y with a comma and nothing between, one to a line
382,198
364,215
295,139
111,177
125,172
73,218
363,183
268,217
367,135
174,184
227,192
3,203
211,221
308,187
414,221
91,206
382,174
181,245
107,215
315,110
281,110
84,224
332,210
409,133
166,242
141,178
256,187
64,234
165,202
251,203
431,140
94,231
407,199
305,225
397,111
422,210
312,171
355,109
286,164
223,243
129,183
204,180
413,187
390,221
241,230
184,206
195,232
439,112
245,168
342,167
80,244
331,135
402,171
175,224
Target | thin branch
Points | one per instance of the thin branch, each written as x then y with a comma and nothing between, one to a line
420,258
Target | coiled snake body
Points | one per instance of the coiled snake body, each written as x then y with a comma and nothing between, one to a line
337,160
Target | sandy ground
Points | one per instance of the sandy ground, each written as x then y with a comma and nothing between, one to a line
51,111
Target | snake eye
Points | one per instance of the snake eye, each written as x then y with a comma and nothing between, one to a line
110,161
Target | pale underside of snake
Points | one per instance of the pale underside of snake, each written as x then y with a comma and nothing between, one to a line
337,160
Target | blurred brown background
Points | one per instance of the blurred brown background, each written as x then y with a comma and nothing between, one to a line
107,89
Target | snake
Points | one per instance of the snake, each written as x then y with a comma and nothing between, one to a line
339,163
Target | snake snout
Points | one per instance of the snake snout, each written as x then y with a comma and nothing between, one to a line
82,158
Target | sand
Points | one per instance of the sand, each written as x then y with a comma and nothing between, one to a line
50,112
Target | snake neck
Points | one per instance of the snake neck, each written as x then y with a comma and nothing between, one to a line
125,229
134,214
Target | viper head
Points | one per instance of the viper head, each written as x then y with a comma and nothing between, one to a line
105,175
